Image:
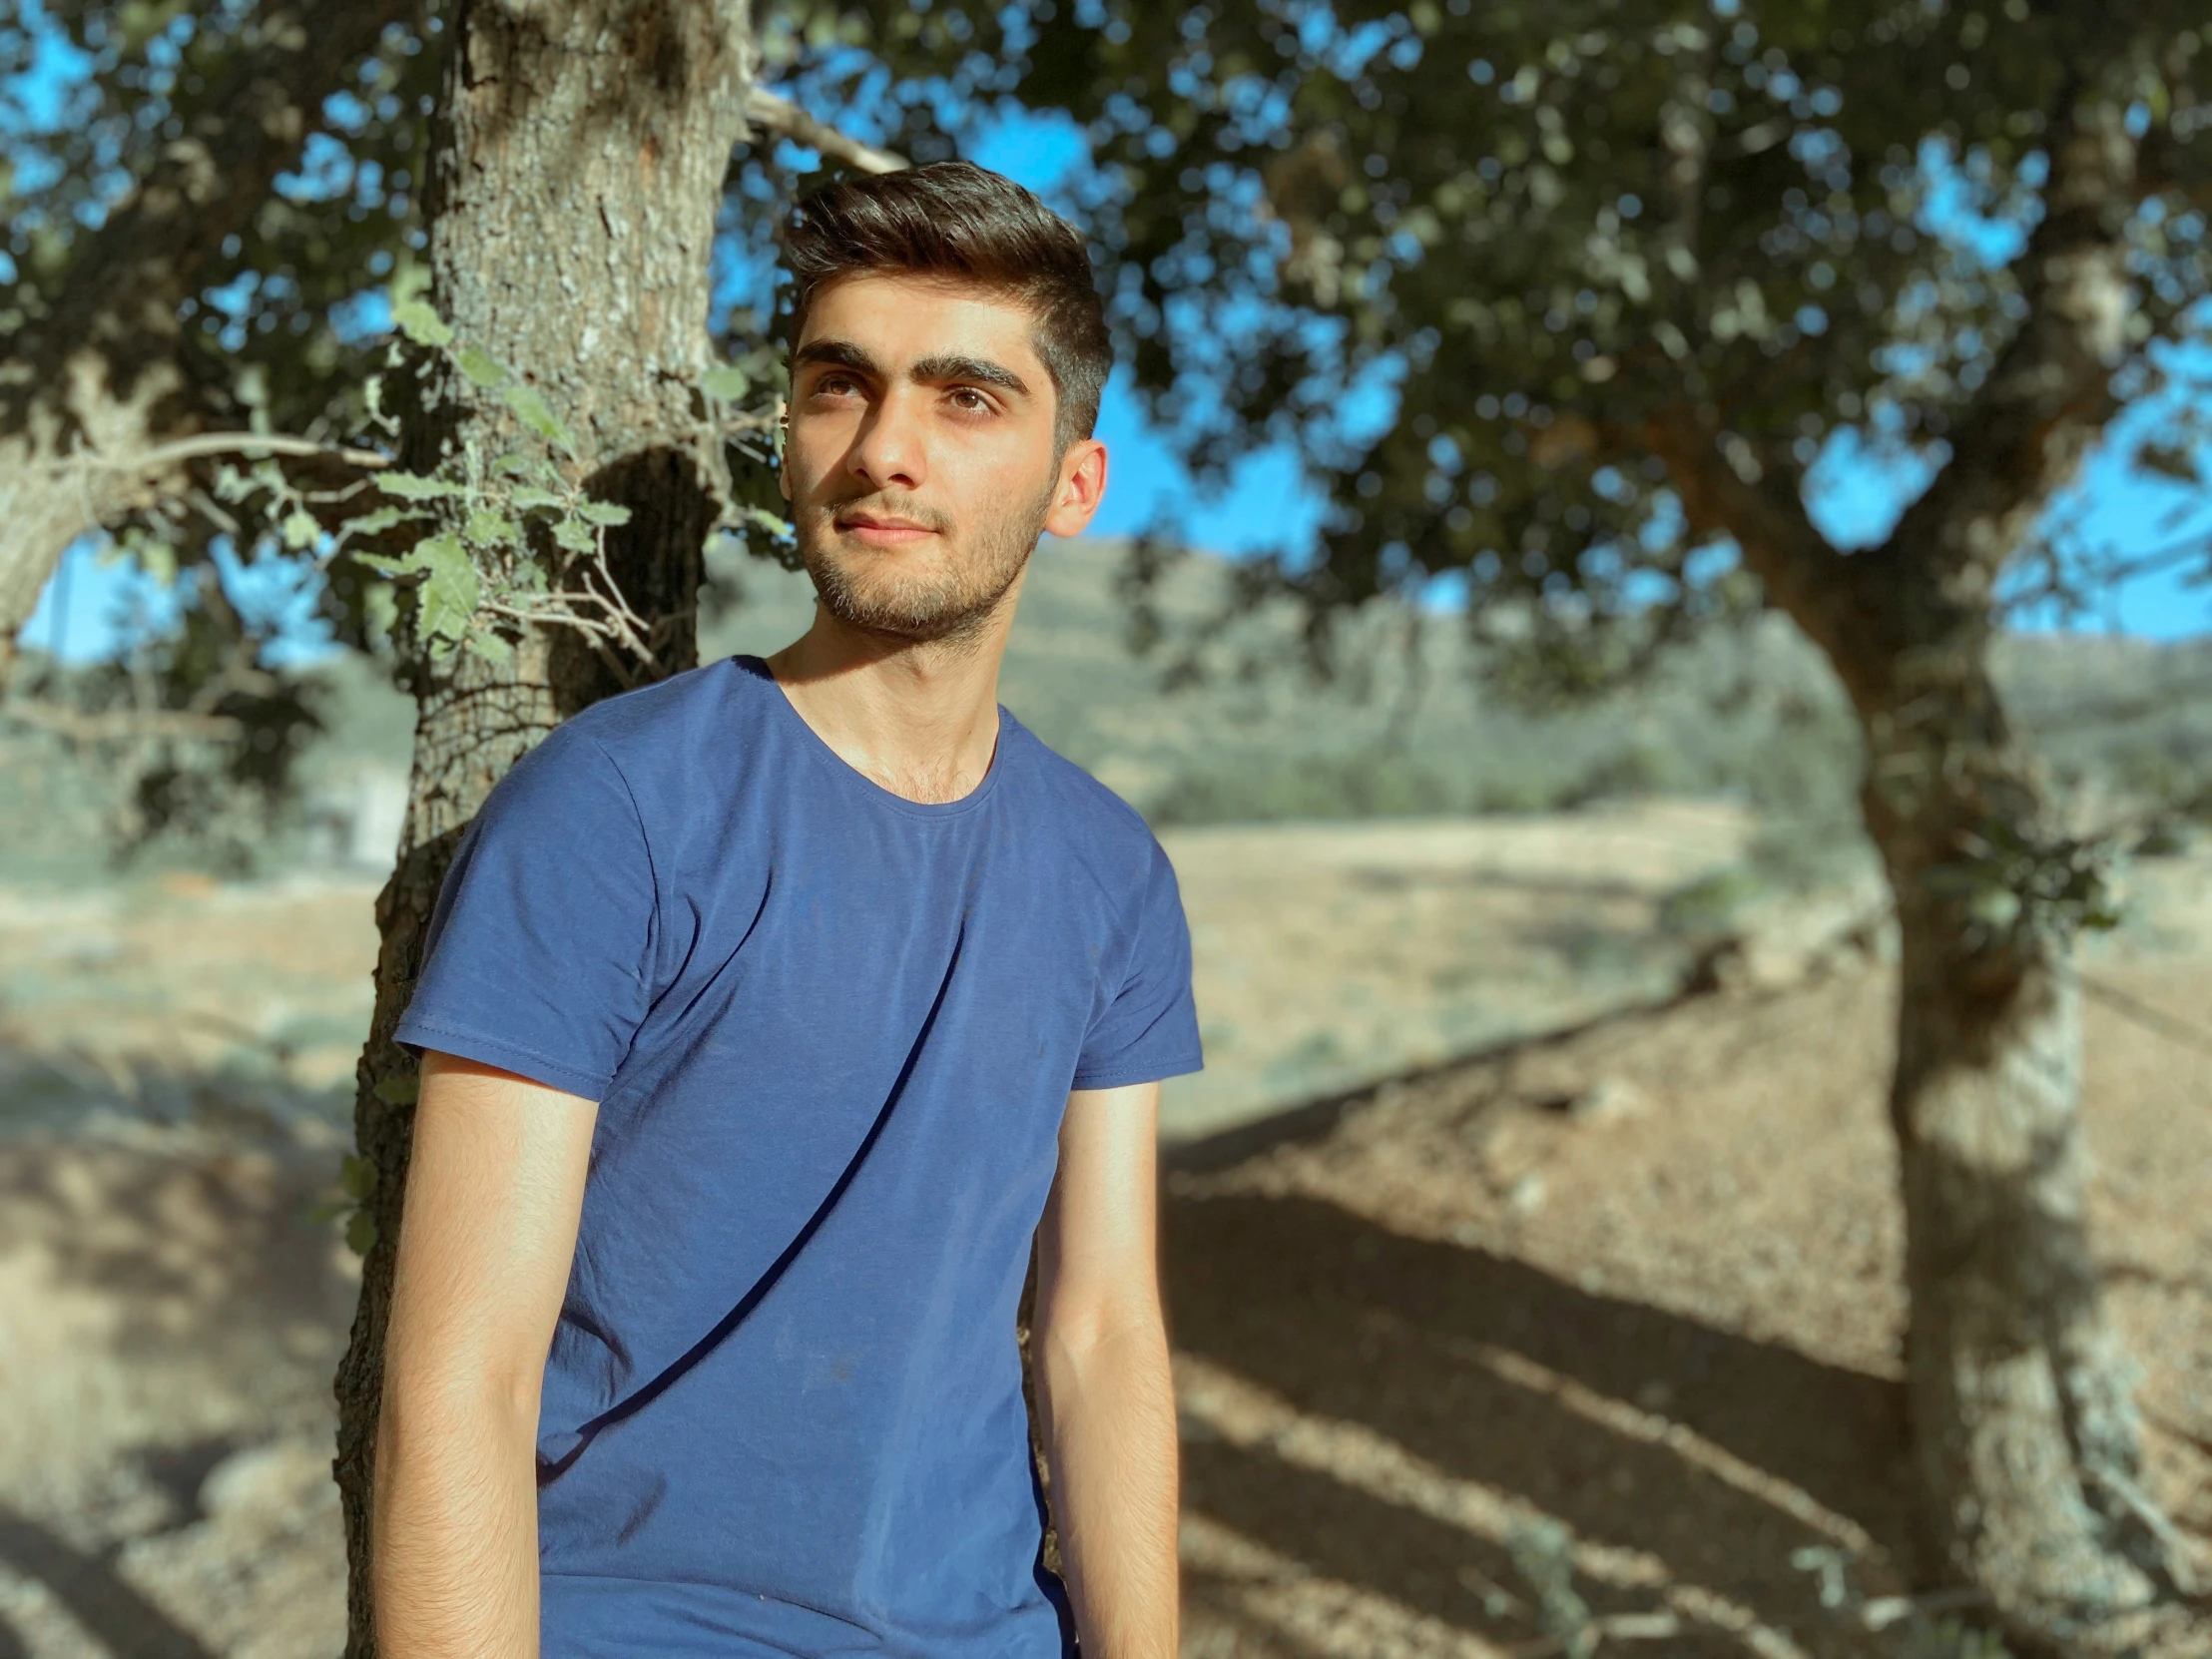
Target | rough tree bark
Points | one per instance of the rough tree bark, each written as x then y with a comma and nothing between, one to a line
2024,1431
102,373
579,155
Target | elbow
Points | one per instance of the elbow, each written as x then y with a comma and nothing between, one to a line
432,1405
1077,1336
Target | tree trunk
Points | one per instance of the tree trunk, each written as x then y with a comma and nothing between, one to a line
102,376
2025,1430
578,161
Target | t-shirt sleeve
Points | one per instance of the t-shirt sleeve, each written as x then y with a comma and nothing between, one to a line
538,953
1150,1028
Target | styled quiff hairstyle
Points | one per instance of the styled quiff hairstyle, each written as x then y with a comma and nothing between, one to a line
957,221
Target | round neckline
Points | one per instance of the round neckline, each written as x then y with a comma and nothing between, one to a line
809,739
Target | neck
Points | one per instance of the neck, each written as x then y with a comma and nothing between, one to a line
921,718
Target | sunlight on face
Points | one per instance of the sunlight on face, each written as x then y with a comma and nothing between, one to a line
920,461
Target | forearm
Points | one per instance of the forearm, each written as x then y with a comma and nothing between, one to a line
1109,1409
456,1524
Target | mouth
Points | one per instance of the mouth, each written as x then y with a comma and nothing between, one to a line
881,529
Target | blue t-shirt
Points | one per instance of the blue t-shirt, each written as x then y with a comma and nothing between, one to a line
832,1033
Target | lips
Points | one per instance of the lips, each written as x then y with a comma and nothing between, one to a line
880,531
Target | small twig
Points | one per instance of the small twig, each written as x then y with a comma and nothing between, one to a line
780,115
550,619
221,444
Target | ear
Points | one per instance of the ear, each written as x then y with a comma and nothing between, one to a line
783,454
1082,487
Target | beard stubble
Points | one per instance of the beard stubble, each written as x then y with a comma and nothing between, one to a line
868,591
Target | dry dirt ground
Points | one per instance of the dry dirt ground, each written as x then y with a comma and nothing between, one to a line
1599,1326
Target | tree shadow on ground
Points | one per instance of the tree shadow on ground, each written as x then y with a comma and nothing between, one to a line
199,1249
98,1597
1349,1321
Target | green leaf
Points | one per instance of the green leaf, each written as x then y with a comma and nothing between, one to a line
446,602
482,367
355,1173
385,566
529,498
530,409
412,486
399,1089
375,523
575,535
159,559
762,519
415,320
493,648
487,527
300,529
513,466
726,382
603,512
360,1232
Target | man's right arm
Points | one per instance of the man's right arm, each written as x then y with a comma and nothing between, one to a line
494,1190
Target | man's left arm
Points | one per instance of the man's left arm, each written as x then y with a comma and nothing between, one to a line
1103,1385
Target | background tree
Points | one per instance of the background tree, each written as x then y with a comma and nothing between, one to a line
157,187
1628,274
191,230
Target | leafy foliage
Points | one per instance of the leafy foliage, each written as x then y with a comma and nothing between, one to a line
277,326
287,335
1482,264
485,546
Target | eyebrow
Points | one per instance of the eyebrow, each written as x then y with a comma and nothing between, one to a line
928,371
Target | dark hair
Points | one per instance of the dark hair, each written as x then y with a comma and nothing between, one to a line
956,220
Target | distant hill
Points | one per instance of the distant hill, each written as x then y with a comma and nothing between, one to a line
1401,731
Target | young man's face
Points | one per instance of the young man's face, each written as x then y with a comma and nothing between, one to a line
920,461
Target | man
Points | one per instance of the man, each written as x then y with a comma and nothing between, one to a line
769,1013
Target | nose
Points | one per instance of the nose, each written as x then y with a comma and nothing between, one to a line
890,450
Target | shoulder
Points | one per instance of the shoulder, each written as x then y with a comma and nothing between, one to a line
640,724
666,736
1070,791
1108,834
605,759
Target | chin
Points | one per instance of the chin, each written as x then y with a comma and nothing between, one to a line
883,593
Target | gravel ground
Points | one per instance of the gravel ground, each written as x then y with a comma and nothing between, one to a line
1627,1303
1596,1331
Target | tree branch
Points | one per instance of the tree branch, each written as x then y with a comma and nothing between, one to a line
2050,393
780,116
1725,494
218,443
101,369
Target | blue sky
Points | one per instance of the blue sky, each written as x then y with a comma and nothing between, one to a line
1269,503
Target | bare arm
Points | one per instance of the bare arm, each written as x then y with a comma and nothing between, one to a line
1103,1385
485,1239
